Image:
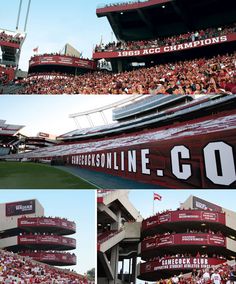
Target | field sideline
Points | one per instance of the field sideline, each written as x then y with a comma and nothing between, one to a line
16,175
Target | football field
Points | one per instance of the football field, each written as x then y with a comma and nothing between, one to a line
16,175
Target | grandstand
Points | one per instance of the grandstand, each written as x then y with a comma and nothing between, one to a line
12,141
26,231
32,244
9,139
172,53
198,236
174,35
171,141
34,272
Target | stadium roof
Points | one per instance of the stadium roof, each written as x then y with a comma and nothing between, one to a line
154,18
9,129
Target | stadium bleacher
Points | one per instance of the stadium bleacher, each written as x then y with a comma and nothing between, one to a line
21,270
136,138
197,76
167,41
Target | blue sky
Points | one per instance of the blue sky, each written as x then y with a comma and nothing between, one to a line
171,199
77,206
50,113
54,23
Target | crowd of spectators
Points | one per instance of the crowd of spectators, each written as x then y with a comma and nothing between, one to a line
167,41
15,269
124,3
198,76
3,76
10,38
223,274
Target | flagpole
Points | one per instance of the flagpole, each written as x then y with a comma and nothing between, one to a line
153,203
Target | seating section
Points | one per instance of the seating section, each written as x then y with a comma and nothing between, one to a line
142,105
21,270
4,151
167,41
197,76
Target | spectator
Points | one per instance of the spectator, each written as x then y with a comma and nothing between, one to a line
205,76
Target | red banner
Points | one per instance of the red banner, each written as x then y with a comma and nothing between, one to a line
63,61
183,239
47,239
165,49
198,154
9,44
52,257
179,264
46,222
184,216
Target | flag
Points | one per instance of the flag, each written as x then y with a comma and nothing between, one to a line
157,196
36,49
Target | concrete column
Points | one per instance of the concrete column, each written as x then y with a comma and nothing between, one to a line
114,263
134,270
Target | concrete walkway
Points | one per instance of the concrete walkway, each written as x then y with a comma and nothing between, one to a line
105,181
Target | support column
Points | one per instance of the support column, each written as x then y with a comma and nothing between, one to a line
114,263
134,270
119,66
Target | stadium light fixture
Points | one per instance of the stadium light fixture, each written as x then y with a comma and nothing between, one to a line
18,17
121,13
163,6
203,247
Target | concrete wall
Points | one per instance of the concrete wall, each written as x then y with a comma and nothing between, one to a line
8,242
7,223
132,230
230,217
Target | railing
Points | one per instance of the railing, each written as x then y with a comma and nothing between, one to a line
108,235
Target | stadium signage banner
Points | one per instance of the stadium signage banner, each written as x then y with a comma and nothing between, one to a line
203,204
183,239
195,163
180,263
184,216
54,257
37,239
46,222
62,60
165,49
20,208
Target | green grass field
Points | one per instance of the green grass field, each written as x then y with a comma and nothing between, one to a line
14,175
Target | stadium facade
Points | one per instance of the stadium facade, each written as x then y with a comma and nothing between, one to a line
118,236
198,235
26,231
173,141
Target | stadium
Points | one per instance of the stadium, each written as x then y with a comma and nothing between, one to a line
183,243
32,245
170,141
160,48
